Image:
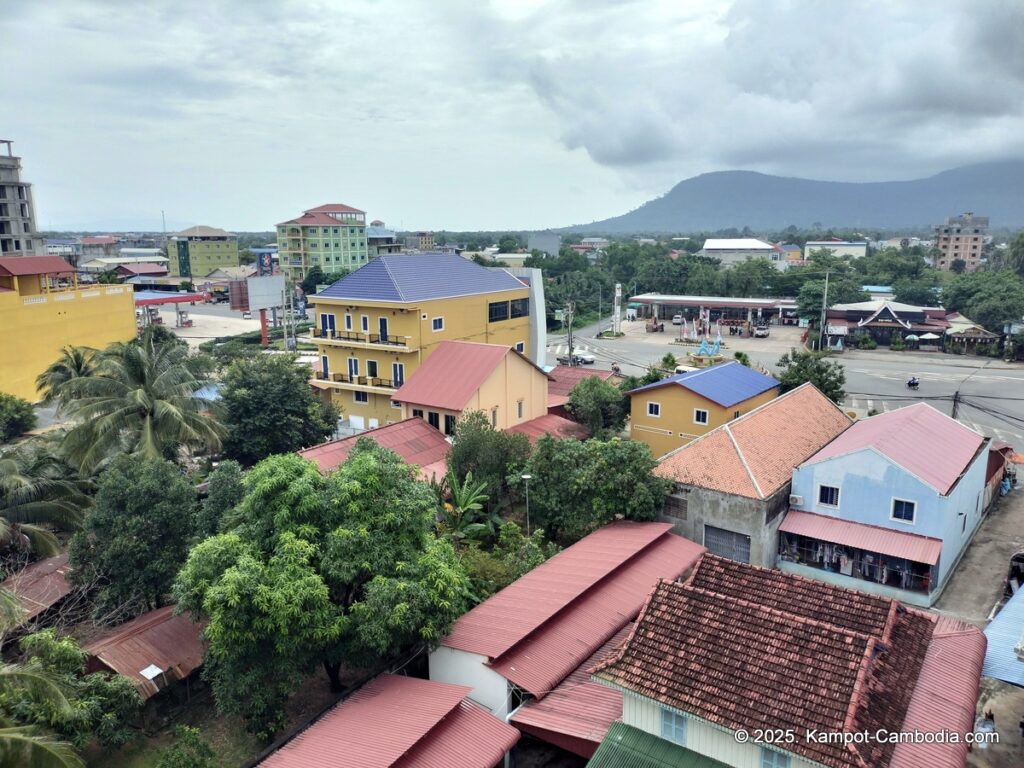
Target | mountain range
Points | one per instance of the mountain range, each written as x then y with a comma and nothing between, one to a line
738,199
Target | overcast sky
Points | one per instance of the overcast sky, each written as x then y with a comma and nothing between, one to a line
468,114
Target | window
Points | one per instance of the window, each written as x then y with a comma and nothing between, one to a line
396,404
735,414
676,506
494,417
700,416
353,367
828,495
449,424
437,324
398,374
371,368
673,726
366,323
654,409
348,322
497,311
771,758
521,346
361,397
417,413
520,307
434,419
519,409
903,510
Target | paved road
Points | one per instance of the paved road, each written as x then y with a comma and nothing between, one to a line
990,395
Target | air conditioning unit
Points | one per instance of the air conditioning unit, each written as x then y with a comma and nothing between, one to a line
795,501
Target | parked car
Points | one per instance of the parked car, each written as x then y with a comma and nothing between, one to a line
761,332
580,357
677,319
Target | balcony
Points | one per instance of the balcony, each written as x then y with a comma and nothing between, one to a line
361,340
373,384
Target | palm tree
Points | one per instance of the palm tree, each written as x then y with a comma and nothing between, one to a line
461,517
73,363
37,489
139,400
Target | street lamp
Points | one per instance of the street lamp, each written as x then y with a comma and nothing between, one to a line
527,479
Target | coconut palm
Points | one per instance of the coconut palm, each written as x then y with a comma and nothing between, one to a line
29,746
36,490
73,363
139,400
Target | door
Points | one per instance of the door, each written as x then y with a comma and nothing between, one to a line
325,366
398,374
383,328
327,325
353,367
357,422
735,546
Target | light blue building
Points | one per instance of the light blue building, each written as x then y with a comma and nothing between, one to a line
889,506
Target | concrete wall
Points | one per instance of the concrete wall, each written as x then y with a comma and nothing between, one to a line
868,482
490,690
758,519
701,737
537,344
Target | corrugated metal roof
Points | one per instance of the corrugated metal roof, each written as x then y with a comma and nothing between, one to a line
413,439
925,442
402,722
754,455
496,625
39,586
451,375
543,659
726,384
201,230
551,424
577,714
565,377
629,747
400,278
885,541
34,265
737,244
172,643
944,697
334,208
1004,633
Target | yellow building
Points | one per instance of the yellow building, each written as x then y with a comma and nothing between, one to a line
672,412
198,251
43,309
374,327
462,376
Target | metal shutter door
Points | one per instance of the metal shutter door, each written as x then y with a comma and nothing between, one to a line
719,541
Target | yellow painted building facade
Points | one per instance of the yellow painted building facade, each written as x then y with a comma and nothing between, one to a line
670,416
368,349
514,392
39,319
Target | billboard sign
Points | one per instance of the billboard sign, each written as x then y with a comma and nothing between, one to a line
265,292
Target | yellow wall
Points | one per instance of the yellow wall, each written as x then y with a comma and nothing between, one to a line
512,381
36,326
675,427
464,318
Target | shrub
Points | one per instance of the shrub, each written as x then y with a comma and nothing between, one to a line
16,417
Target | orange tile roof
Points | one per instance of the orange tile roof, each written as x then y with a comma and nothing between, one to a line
551,424
564,378
754,455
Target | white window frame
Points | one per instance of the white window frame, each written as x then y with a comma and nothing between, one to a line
373,375
775,758
521,347
892,511
670,723
707,416
839,493
348,322
396,404
433,324
366,323
357,393
657,407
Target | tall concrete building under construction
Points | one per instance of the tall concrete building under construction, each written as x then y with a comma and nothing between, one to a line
18,236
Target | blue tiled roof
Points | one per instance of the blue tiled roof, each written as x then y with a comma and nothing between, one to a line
725,384
1003,634
419,277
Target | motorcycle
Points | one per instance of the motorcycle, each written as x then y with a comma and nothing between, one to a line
913,384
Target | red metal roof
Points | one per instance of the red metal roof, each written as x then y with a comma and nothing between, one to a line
577,714
945,695
143,269
153,298
173,643
413,439
34,265
452,373
99,240
543,659
39,586
920,549
334,208
401,722
564,378
499,623
551,424
926,443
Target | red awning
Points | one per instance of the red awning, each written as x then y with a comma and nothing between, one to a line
920,549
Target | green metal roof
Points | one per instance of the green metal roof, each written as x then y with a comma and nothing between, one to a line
627,747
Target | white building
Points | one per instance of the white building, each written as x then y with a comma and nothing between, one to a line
849,250
735,250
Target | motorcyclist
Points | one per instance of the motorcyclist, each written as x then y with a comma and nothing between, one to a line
913,382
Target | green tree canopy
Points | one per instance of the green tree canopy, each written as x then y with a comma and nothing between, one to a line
513,556
23,743
338,569
598,404
921,293
987,297
579,486
16,417
73,363
489,454
798,367
135,537
268,408
224,492
508,244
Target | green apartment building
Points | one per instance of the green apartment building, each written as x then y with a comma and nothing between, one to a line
197,251
331,237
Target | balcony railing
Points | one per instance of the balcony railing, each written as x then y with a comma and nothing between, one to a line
362,381
360,338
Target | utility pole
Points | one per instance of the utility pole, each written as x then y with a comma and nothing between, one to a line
824,306
600,307
569,307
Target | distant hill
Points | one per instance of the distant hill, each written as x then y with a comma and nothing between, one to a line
740,199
